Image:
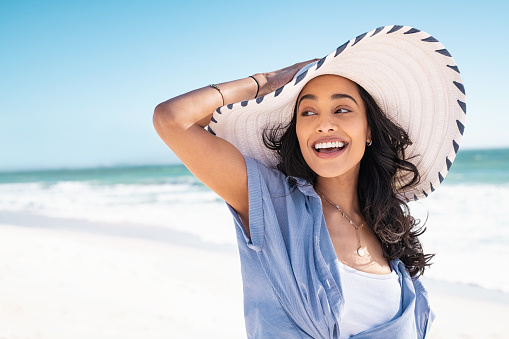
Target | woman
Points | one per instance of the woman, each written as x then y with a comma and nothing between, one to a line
316,164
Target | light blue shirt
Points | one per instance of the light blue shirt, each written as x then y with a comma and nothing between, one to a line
292,283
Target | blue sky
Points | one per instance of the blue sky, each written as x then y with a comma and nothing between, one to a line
79,79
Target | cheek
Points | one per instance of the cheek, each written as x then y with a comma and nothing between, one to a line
361,129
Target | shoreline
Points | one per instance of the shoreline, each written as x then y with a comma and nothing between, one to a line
66,278
127,230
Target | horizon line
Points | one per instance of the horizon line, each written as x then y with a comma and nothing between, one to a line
138,164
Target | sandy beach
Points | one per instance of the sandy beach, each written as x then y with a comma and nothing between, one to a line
69,279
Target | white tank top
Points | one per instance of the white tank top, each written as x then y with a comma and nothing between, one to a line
370,299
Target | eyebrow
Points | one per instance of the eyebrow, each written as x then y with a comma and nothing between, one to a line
334,96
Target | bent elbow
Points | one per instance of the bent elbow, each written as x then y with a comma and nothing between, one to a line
156,116
162,117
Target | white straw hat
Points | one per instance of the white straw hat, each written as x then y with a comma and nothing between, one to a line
412,78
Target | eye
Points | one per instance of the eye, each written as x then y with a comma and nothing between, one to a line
307,113
342,110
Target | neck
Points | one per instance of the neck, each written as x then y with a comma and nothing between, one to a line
342,191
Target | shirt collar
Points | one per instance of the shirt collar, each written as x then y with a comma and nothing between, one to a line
305,187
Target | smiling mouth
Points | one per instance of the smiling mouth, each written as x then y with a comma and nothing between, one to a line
329,147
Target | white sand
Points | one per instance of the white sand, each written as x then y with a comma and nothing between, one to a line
56,284
62,284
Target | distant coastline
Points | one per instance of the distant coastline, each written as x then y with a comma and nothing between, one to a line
6,170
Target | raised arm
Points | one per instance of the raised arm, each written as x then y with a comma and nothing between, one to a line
180,123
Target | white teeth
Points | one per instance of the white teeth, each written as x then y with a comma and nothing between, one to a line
329,144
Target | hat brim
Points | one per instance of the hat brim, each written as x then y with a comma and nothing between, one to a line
412,78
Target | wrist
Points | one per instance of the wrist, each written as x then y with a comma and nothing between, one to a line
257,86
261,81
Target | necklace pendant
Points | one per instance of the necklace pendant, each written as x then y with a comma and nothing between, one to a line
361,251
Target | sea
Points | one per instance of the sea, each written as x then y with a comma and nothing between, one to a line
467,225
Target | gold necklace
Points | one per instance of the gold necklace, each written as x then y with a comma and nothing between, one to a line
360,251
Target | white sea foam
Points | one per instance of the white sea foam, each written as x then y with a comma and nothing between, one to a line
183,207
468,226
468,229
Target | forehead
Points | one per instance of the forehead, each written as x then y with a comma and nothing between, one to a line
329,83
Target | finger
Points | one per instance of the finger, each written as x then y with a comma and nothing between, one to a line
309,61
300,65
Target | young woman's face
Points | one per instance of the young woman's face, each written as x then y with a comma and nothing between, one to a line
332,127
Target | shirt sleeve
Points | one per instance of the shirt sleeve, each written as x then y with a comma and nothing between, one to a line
264,184
424,315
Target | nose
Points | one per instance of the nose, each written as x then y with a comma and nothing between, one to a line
326,124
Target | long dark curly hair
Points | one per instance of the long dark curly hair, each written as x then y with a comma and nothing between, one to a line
387,214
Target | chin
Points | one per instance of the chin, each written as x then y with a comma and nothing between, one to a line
335,170
328,171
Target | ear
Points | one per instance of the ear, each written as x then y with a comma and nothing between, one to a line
369,134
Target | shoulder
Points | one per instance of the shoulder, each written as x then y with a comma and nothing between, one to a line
274,180
266,173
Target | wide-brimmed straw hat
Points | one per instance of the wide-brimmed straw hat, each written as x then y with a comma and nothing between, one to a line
412,78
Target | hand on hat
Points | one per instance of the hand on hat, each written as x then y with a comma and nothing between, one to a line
271,81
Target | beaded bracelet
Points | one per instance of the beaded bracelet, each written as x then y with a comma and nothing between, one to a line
219,90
